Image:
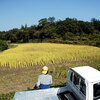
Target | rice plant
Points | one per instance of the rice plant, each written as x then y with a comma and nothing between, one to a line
31,54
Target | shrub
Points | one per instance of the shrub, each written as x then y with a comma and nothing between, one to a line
68,42
98,43
3,45
7,96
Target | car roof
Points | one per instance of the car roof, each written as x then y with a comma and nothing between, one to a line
88,73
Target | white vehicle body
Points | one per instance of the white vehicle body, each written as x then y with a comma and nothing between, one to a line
83,83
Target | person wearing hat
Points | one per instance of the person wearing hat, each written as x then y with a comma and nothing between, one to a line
44,80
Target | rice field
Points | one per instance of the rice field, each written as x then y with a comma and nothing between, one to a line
31,54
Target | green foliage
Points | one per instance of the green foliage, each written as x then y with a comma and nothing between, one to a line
68,42
84,38
7,96
73,30
12,46
98,43
98,68
3,45
51,19
96,23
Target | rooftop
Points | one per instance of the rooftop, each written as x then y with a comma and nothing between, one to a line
88,73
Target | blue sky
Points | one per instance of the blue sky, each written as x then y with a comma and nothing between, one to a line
14,13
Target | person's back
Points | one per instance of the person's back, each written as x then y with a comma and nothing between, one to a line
44,80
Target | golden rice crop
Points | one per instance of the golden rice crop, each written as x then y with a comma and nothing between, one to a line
30,54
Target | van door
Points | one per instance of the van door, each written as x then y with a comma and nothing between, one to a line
79,87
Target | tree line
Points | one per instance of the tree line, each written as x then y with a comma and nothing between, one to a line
70,31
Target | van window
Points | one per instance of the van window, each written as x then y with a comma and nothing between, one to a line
79,82
83,87
71,76
76,80
96,93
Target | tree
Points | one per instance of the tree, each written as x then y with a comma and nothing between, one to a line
61,28
25,37
12,34
68,36
86,27
13,38
42,22
2,35
51,19
22,27
25,26
96,23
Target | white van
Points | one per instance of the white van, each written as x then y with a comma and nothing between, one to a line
84,83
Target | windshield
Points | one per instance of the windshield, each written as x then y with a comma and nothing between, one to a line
96,88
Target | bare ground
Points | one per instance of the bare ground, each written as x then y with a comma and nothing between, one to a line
21,79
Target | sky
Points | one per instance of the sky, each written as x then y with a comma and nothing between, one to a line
14,13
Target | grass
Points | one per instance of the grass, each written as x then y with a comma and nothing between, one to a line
95,63
7,96
12,46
